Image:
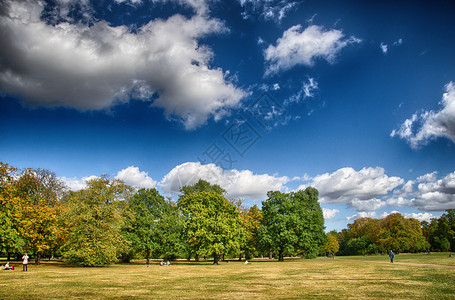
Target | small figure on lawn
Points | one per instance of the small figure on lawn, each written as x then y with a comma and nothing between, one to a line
391,255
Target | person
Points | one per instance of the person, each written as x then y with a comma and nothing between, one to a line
246,262
168,263
391,255
7,266
162,263
24,262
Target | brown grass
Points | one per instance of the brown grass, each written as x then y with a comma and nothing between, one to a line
293,279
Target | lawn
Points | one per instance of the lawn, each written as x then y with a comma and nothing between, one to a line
318,278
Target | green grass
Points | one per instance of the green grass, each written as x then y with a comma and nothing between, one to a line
320,278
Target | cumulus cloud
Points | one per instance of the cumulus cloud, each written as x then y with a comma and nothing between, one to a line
435,194
347,185
428,125
134,177
76,184
238,184
420,216
370,214
329,213
367,205
303,47
270,10
96,66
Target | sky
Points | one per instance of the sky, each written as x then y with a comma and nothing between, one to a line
354,98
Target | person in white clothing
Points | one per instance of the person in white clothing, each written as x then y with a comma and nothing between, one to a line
24,262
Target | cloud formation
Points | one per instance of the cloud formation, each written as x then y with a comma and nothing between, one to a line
347,185
270,10
435,194
428,125
92,67
134,177
238,184
300,46
329,213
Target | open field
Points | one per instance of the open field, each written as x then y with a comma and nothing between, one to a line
318,278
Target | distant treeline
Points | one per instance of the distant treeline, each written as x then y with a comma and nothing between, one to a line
109,221
394,232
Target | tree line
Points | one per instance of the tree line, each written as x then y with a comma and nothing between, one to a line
110,221
394,232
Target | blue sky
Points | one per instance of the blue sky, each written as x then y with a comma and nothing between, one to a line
354,98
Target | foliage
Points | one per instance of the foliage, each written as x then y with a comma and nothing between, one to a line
332,245
201,186
293,223
38,210
213,225
95,217
10,239
156,226
251,220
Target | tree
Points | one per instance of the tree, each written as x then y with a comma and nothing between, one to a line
10,239
252,220
332,245
293,223
95,217
40,192
156,225
213,225
202,186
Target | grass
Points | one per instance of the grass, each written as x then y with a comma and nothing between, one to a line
320,278
433,258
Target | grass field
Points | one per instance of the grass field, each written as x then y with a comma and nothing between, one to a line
321,278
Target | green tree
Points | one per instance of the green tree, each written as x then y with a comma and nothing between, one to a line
95,217
201,186
156,226
293,223
10,239
252,220
213,225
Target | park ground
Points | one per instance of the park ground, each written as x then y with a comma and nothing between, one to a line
412,276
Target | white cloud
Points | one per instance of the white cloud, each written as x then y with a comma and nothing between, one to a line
134,177
308,90
329,213
303,47
367,205
98,66
270,10
434,194
238,184
76,184
420,216
346,185
429,125
370,214
384,48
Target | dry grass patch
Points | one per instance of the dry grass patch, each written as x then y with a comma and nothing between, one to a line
320,278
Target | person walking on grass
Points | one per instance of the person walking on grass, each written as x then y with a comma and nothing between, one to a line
391,255
24,262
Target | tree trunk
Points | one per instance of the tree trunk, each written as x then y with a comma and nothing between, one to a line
37,258
197,257
147,256
215,258
9,256
270,254
280,255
